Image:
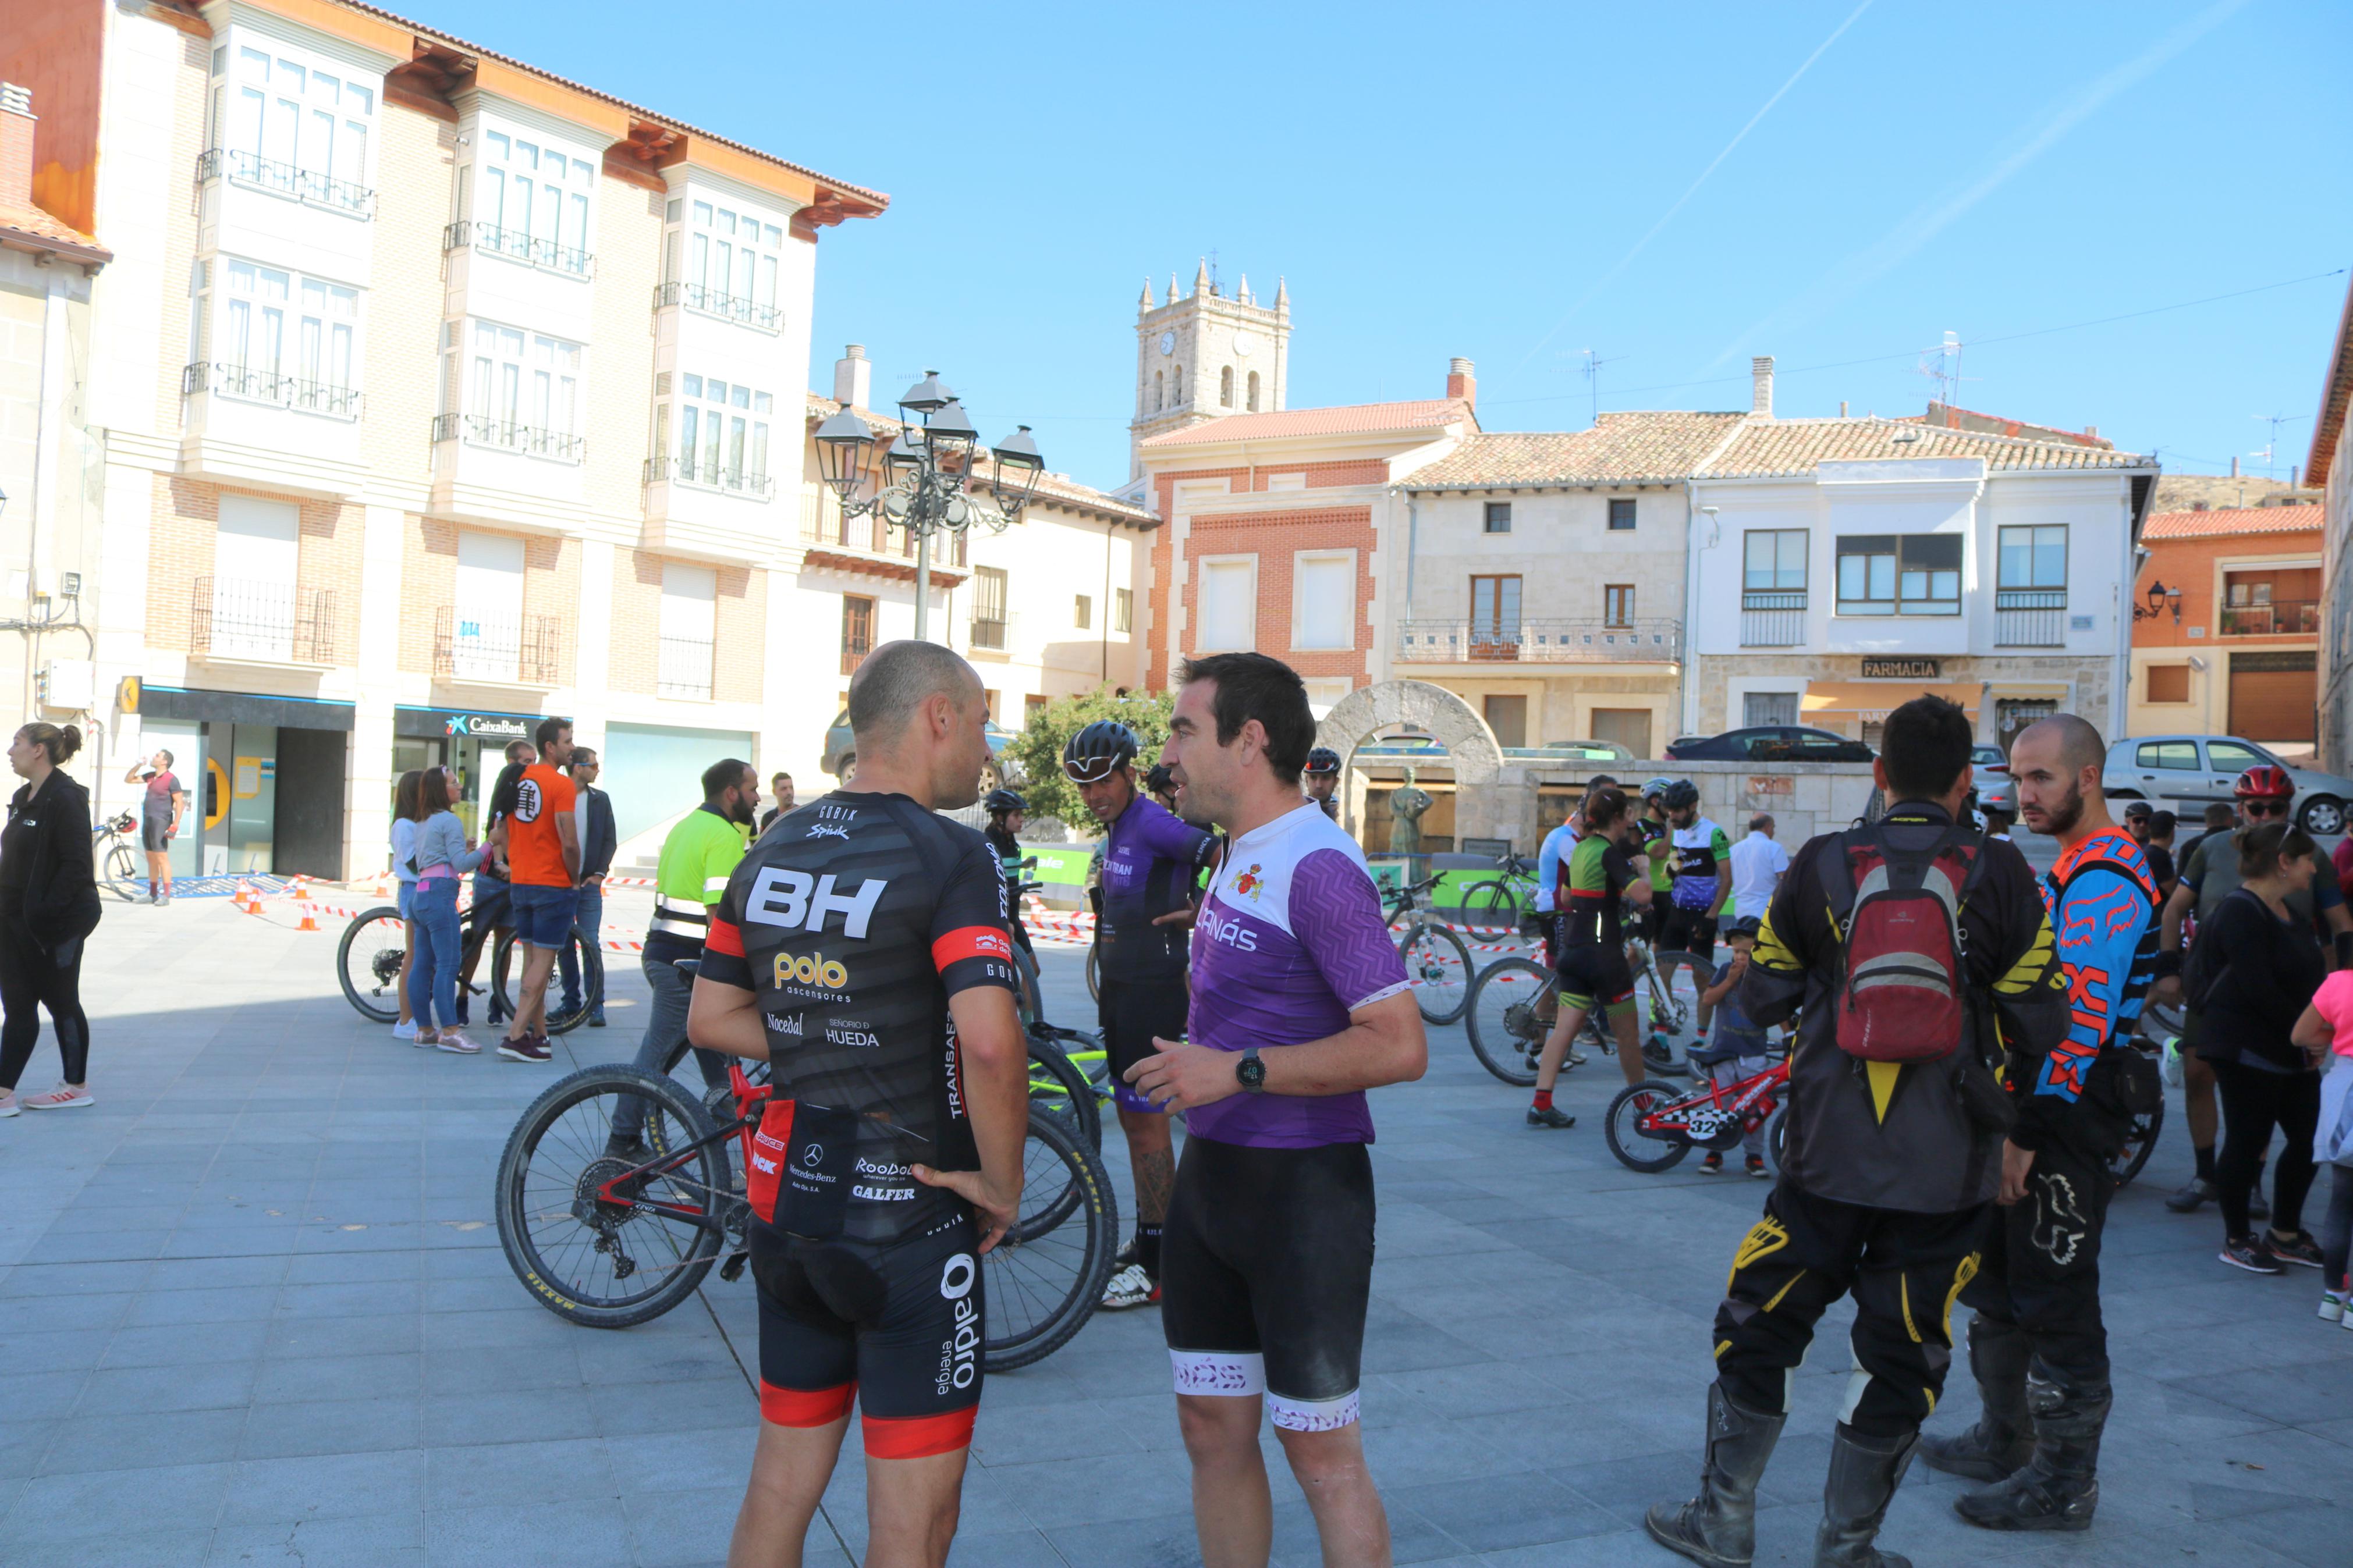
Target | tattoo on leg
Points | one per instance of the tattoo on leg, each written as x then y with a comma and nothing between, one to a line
1155,1177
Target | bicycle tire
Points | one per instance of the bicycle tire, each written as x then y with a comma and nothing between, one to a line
1030,993
1069,1095
544,1278
1493,905
1630,1104
592,981
1094,972
1775,1128
1052,1150
380,979
2141,1142
1438,967
1491,1018
122,870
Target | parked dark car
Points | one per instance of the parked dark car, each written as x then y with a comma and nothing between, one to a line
1771,744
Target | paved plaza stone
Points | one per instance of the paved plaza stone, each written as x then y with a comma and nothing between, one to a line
255,1313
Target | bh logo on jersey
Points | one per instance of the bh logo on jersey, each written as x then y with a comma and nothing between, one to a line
960,1356
810,968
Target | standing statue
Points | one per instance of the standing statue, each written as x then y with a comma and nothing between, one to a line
1406,805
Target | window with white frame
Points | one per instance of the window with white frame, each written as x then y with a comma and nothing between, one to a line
277,337
287,126
689,630
723,260
521,393
1324,601
723,436
530,201
1122,609
1899,574
1228,606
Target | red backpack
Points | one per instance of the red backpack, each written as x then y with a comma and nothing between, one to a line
1902,989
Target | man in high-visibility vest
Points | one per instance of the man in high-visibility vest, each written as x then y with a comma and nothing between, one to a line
697,858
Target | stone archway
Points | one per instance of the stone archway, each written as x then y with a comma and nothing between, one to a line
1489,799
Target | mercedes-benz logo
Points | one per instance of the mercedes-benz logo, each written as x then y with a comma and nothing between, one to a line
812,1156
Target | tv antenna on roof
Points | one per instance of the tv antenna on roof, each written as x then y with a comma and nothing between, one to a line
1942,365
2270,454
1592,374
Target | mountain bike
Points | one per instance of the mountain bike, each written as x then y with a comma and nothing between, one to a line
506,980
1437,962
609,1240
1497,903
2159,1031
118,863
1509,1013
368,960
1650,1126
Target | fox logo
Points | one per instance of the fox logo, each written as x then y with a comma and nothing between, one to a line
2058,1223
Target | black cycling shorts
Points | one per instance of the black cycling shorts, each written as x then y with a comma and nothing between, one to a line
1131,1012
1687,931
1654,917
1266,1265
1591,975
897,1327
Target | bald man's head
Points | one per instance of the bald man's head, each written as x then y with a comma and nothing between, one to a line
895,682
2057,763
2080,745
919,717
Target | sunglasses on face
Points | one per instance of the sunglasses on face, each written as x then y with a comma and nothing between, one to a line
2264,808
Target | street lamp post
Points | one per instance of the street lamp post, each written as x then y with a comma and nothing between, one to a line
930,474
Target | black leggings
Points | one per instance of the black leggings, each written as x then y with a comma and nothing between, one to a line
33,977
2253,1102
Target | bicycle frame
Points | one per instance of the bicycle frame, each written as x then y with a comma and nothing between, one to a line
1708,1113
750,1105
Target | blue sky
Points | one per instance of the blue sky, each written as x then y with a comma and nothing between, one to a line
1520,184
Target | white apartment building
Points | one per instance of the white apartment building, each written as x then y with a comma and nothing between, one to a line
1843,566
439,394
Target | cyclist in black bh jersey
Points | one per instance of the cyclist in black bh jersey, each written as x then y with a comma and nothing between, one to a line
861,950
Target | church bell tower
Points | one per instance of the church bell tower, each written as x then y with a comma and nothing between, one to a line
1204,355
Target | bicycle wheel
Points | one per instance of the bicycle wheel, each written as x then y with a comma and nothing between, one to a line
1675,1002
1637,1150
2139,1144
1045,1279
1438,966
1095,973
1028,996
1491,907
1776,1126
506,980
1501,1017
368,962
1056,1084
590,1256
123,873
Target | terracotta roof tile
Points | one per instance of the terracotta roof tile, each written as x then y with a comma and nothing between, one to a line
1348,419
2233,519
1762,447
1625,447
1060,486
30,227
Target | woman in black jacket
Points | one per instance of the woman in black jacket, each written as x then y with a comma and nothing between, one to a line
2264,966
48,905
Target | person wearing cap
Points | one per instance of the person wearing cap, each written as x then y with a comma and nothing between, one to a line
1322,778
2209,874
1150,859
1736,1047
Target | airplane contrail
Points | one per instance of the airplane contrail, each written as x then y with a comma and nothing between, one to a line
1924,223
1609,277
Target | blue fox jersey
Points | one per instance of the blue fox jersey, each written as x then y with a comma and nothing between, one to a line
2102,900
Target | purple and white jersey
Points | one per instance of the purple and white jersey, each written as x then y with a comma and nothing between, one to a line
1291,940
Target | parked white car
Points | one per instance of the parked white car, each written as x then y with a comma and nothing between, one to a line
2190,772
1989,772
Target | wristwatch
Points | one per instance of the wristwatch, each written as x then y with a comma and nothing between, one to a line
1251,1072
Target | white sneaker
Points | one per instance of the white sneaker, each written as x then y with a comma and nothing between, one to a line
2332,1306
58,1098
1130,1287
404,1030
9,1107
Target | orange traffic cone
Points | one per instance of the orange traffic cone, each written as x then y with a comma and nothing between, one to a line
310,918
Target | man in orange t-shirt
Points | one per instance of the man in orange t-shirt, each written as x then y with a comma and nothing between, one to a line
542,853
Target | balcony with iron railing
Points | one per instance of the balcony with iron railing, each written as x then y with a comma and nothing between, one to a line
686,469
1773,617
2280,618
727,306
1538,642
254,385
2030,618
683,669
506,436
517,245
492,650
295,183
247,621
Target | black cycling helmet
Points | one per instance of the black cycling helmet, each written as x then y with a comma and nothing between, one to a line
1001,800
1679,794
1323,760
1160,780
1096,752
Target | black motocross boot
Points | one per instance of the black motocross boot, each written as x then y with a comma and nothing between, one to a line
2060,1487
2003,1439
1864,1474
1718,1527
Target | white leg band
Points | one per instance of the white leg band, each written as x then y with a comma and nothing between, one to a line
1241,1374
1313,1415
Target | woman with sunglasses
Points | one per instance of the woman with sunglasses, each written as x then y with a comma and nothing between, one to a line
2209,874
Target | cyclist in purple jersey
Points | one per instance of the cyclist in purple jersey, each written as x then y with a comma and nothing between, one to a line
1149,861
1300,1005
